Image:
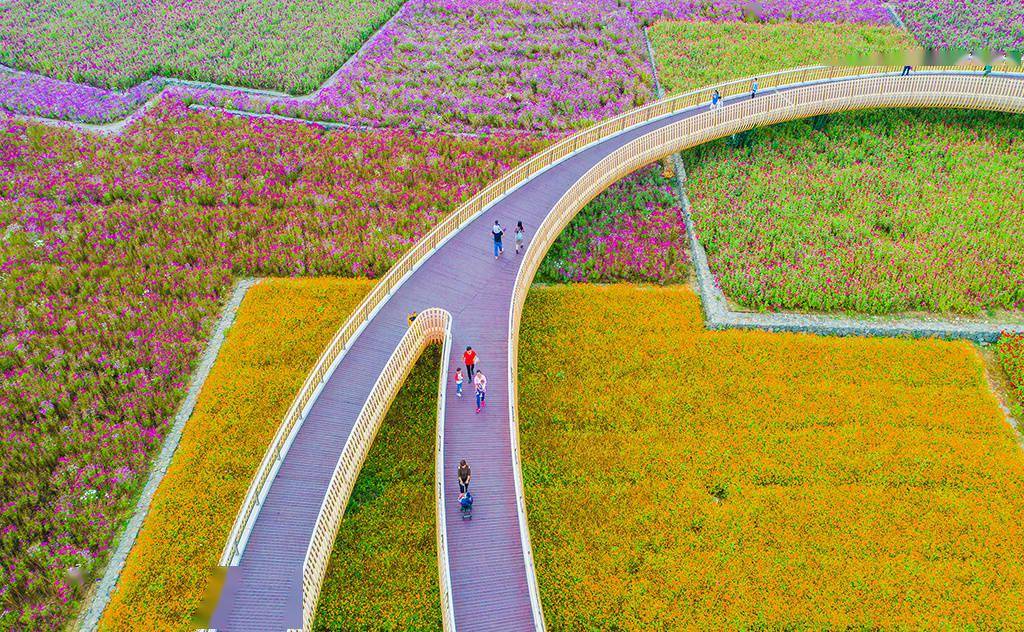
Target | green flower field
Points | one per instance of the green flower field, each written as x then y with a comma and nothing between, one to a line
876,213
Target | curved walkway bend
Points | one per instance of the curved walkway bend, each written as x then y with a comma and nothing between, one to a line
492,583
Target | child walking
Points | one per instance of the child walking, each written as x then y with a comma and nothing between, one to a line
458,382
481,390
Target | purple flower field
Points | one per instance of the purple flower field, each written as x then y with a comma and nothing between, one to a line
634,231
483,64
292,46
977,24
36,95
541,65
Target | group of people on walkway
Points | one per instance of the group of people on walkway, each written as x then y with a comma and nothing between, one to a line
498,230
469,357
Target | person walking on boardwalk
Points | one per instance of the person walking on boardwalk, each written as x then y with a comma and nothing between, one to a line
497,231
519,236
906,71
458,381
465,474
469,357
716,98
481,390
753,88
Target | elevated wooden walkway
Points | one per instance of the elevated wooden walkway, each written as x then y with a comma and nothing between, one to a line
284,533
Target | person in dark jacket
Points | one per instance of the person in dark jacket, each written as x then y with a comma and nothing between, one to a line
465,474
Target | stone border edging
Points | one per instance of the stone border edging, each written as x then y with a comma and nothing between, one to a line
334,125
997,380
90,617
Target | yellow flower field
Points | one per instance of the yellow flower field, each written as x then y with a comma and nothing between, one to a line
280,330
681,478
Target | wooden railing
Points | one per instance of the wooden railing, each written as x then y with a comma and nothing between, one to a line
444,571
431,326
916,91
862,88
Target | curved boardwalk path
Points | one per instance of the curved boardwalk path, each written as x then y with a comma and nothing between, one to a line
490,579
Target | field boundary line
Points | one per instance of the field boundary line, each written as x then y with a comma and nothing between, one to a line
90,616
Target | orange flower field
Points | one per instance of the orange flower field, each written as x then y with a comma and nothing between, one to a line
279,332
682,478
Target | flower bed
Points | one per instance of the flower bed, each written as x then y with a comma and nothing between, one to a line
291,46
977,25
882,212
279,332
693,55
27,93
769,10
262,197
539,65
879,212
754,480
1011,357
634,231
383,571
115,254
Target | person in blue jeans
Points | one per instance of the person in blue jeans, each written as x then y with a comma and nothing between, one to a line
480,382
497,231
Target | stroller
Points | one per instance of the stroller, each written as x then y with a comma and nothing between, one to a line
466,506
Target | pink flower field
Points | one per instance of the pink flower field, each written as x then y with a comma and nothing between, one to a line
882,212
115,255
290,46
634,231
974,25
